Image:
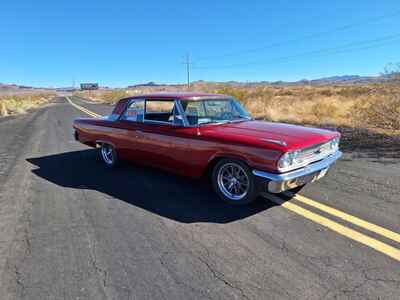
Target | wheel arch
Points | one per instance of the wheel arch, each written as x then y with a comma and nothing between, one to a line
100,142
218,157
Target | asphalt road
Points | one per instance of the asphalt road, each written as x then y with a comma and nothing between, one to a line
72,229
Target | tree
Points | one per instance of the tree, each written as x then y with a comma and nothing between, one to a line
392,71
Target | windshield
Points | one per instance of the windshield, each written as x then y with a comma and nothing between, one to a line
214,111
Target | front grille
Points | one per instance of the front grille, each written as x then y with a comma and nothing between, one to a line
314,153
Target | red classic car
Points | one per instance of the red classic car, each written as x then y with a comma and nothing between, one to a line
193,134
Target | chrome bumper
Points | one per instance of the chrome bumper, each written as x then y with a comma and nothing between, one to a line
277,183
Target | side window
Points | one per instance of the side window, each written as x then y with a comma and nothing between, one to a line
160,111
195,108
194,111
217,108
135,111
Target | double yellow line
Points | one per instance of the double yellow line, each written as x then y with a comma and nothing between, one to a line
81,108
332,225
341,229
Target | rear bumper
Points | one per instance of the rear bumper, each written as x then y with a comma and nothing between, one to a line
277,183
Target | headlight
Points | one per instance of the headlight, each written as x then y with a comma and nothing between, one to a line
300,158
288,159
334,144
284,161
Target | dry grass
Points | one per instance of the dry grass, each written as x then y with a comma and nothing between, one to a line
368,116
372,106
108,96
18,104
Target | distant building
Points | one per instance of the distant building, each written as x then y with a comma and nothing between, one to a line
89,86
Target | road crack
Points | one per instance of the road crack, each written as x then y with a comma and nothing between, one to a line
221,277
93,253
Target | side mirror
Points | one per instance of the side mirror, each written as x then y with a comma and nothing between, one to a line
178,120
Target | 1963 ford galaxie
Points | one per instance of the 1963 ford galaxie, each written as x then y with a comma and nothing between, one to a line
193,134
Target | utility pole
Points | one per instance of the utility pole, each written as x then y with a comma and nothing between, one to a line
188,63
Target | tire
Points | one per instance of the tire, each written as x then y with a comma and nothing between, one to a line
233,182
108,155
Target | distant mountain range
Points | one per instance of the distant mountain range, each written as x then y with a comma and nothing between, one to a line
14,89
351,79
345,79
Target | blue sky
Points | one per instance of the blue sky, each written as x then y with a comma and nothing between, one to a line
121,42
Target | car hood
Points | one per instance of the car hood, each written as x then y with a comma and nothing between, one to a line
279,136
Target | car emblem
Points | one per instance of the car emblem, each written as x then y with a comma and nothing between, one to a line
278,142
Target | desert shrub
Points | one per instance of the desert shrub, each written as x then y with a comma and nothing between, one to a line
18,104
326,92
113,96
237,93
285,92
109,97
326,112
382,113
354,91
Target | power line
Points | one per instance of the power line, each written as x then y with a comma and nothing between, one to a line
350,47
306,37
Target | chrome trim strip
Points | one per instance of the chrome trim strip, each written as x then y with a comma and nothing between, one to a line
278,142
314,167
158,122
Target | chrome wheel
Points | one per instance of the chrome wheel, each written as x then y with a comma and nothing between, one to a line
233,181
107,154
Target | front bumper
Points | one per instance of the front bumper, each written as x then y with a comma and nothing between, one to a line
277,183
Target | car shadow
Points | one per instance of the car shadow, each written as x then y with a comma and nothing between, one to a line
178,198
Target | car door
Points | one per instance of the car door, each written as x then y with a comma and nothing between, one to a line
169,143
159,120
130,136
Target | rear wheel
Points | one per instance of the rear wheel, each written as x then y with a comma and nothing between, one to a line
233,181
108,155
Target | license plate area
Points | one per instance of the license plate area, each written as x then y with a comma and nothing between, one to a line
306,179
311,177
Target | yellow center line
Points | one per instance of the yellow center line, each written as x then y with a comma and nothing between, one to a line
349,218
83,109
338,228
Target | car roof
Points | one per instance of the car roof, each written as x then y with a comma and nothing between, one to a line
193,96
180,96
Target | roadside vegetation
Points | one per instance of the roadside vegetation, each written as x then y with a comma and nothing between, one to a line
373,106
18,104
367,115
108,97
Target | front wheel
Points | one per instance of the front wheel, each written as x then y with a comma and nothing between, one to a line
108,155
233,181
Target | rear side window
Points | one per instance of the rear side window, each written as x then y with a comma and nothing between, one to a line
134,112
160,111
157,106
